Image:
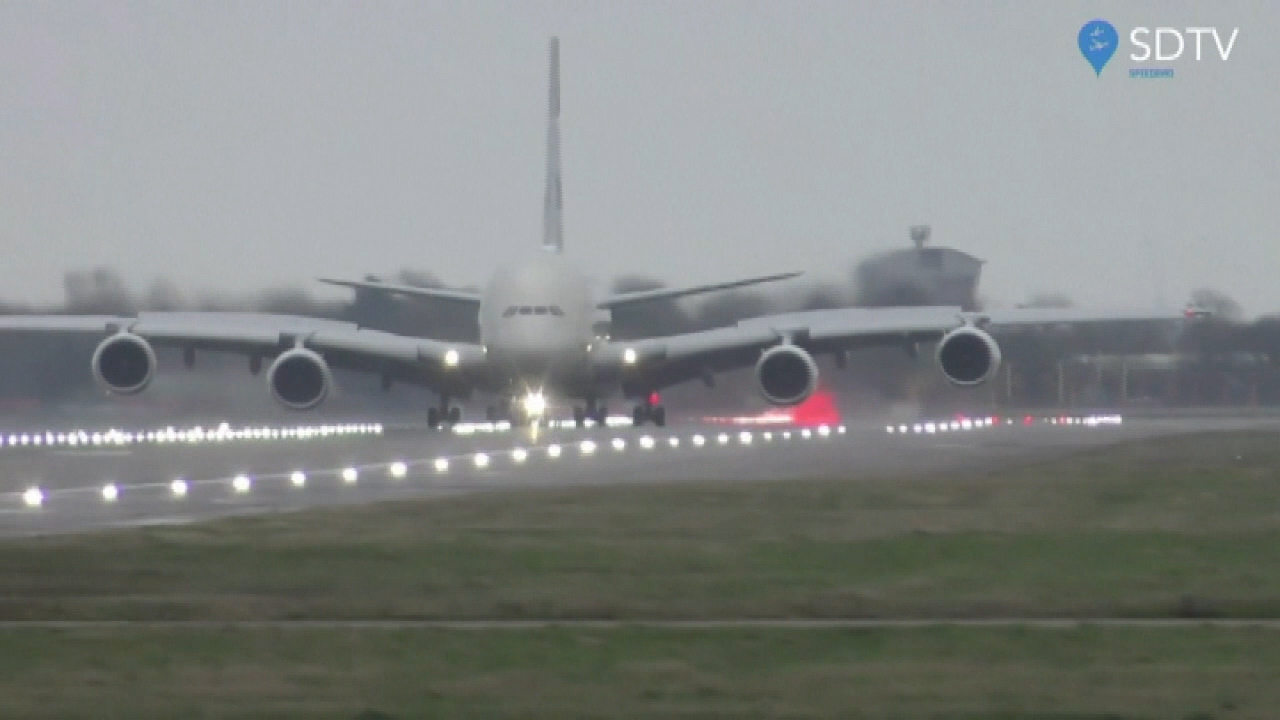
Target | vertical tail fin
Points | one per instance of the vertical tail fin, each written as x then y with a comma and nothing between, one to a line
553,208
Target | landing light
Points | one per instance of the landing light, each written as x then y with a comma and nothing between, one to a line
241,483
110,492
298,478
534,404
33,497
178,487
349,475
629,356
451,358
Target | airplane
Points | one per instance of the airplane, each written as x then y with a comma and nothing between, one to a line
538,339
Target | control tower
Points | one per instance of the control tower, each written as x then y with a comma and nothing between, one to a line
919,275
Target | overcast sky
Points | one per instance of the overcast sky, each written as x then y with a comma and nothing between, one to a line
240,145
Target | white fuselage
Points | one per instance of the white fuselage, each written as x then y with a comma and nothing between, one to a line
536,325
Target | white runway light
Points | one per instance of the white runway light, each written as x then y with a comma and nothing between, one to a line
241,483
482,460
298,478
110,492
398,470
619,444
553,451
441,464
674,441
349,475
519,454
723,438
744,438
699,441
587,447
178,488
646,442
33,497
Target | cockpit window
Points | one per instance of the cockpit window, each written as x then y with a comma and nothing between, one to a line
509,311
526,310
540,310
555,310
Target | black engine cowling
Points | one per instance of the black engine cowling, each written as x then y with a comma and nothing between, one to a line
124,363
299,379
786,375
968,356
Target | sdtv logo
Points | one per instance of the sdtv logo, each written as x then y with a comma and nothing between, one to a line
1099,41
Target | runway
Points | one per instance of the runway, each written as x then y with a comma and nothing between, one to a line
63,489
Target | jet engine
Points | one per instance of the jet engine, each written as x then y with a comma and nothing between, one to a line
968,356
124,363
786,374
299,379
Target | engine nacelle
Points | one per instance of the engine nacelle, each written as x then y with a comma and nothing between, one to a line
787,375
968,356
124,363
299,379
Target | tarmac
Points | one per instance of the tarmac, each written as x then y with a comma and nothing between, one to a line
60,488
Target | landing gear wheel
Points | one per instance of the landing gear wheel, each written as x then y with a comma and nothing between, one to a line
639,414
433,418
601,416
659,415
579,417
455,415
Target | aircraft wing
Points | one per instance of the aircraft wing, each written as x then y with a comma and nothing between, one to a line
433,363
664,361
460,296
641,296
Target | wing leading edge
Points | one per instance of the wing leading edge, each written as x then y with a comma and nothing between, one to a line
449,366
665,361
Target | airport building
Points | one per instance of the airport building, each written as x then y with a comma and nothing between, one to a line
919,275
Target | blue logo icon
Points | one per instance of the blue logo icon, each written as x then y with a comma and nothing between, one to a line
1098,40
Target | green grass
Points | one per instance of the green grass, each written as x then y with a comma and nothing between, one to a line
1177,527
1184,527
969,674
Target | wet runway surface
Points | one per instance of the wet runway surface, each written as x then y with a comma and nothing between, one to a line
60,489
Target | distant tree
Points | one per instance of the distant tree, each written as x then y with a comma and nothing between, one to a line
824,297
1222,306
163,295
727,308
98,291
1048,300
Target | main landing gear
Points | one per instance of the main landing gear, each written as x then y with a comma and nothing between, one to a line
596,413
445,413
649,412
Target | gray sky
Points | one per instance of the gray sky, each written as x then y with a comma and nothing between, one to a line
238,145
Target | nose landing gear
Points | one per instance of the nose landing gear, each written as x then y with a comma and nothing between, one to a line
596,413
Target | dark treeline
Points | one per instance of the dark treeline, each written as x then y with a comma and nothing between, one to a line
54,367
